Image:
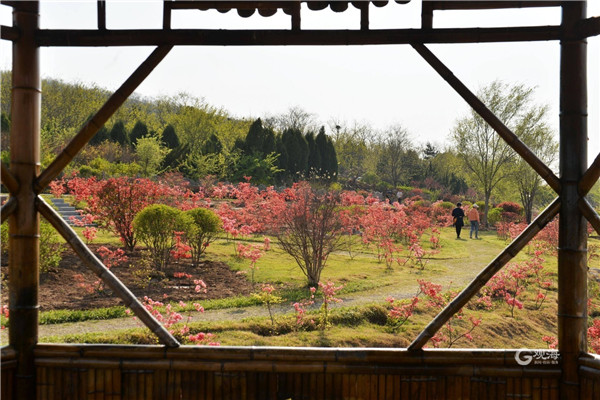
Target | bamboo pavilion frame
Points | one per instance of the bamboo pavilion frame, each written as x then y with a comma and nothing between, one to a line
25,181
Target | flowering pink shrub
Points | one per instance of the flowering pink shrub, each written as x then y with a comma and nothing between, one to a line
551,341
329,291
5,314
169,317
250,252
594,336
268,298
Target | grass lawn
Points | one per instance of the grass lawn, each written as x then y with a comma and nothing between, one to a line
362,319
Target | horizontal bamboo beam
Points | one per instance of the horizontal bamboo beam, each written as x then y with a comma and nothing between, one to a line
231,355
9,33
489,5
484,276
8,208
589,213
93,263
95,123
505,133
206,37
8,179
590,177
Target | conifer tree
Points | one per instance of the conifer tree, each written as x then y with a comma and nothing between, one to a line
314,156
118,133
139,131
169,137
212,145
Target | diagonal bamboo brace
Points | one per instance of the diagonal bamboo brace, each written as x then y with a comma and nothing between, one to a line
92,262
8,179
505,133
95,123
8,208
484,276
590,177
589,213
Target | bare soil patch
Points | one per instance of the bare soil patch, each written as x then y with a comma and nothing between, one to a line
60,289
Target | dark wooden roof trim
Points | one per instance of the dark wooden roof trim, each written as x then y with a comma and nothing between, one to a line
204,37
488,5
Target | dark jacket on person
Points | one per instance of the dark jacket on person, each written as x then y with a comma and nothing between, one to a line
459,216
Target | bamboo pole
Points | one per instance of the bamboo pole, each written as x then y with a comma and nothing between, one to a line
572,237
257,37
590,177
8,179
101,7
484,276
92,262
9,208
589,213
511,139
96,122
24,222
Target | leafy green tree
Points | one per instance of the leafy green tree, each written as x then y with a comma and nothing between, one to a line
149,154
175,158
537,135
118,133
202,230
140,130
484,153
169,137
353,149
4,131
393,156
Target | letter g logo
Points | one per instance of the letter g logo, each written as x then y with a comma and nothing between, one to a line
524,359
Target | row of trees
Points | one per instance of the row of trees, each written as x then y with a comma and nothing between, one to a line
186,134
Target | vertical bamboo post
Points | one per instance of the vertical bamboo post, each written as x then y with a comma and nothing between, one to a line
24,222
572,241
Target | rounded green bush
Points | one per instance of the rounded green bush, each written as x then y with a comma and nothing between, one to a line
495,216
155,226
201,230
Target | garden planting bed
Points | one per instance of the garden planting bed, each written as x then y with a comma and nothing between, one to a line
60,287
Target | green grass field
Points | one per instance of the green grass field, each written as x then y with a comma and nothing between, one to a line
362,319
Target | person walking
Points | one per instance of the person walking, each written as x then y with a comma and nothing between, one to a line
458,218
473,216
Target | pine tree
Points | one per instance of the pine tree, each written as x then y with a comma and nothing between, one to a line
169,137
100,136
212,145
297,153
118,133
329,163
332,162
314,156
139,131
254,138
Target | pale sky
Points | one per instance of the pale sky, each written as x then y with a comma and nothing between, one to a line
376,85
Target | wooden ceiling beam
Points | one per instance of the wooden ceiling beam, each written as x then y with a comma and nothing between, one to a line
204,37
488,5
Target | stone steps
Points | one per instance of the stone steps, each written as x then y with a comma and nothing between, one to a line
66,210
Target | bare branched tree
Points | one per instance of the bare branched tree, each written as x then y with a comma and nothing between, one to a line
310,230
